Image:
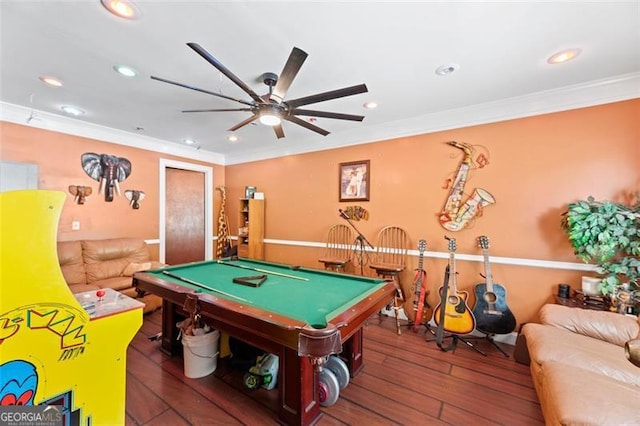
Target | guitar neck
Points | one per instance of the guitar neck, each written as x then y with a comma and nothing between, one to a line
487,270
453,279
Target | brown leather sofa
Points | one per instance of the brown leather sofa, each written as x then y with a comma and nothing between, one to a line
579,367
95,264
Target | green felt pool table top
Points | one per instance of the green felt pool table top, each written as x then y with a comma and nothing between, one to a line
304,294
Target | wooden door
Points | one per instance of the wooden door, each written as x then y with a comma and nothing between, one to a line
184,216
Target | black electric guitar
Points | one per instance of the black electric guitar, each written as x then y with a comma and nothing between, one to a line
493,316
420,306
457,318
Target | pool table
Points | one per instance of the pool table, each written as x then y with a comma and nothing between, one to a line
284,310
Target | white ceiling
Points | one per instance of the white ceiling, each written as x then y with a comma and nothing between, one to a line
392,47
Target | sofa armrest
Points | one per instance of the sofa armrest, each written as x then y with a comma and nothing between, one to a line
608,326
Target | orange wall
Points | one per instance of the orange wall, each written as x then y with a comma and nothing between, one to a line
58,159
537,165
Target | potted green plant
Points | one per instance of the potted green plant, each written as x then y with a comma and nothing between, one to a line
606,234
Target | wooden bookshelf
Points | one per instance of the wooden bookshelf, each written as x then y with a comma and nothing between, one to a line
251,228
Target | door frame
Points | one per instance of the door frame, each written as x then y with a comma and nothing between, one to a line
208,203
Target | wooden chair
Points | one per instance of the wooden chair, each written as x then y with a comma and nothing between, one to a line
338,248
390,259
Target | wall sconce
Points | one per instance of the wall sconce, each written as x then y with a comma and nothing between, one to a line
80,193
135,197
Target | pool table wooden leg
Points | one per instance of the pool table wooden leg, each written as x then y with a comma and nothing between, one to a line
352,352
298,383
170,344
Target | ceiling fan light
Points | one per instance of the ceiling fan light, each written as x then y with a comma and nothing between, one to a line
269,119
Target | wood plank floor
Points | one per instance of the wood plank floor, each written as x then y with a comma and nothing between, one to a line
405,380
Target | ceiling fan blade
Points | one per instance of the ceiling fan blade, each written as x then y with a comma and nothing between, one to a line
186,86
325,114
289,72
333,94
243,123
300,122
278,129
217,110
231,76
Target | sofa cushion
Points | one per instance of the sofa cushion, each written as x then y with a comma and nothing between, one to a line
134,267
108,258
116,283
551,344
608,326
71,262
574,396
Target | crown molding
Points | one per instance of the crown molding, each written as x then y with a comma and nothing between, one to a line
44,120
592,93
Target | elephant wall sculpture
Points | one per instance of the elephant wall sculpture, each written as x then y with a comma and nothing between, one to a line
80,193
135,197
108,170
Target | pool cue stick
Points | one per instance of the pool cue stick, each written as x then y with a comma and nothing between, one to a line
187,280
264,271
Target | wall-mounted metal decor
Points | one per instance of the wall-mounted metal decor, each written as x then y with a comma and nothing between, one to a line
80,193
135,197
357,213
454,217
108,170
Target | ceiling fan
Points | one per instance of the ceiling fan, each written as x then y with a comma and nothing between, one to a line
272,107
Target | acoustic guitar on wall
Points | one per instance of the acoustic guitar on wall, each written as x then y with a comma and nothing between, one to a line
457,318
492,314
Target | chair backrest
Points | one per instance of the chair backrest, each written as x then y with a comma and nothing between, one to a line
339,242
392,244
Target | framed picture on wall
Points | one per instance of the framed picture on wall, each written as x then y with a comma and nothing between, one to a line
354,180
249,191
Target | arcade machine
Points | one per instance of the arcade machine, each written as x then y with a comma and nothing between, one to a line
56,348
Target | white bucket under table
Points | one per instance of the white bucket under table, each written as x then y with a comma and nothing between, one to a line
200,354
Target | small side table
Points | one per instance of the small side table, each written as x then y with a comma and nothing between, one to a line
580,300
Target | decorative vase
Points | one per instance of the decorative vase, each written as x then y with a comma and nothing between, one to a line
590,286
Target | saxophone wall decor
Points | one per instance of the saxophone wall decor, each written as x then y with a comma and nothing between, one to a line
453,216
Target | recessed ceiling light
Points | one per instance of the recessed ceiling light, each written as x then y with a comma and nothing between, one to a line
232,138
125,70
447,69
71,110
122,8
189,141
564,56
51,81
371,105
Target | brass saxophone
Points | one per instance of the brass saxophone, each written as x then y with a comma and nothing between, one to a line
223,229
453,217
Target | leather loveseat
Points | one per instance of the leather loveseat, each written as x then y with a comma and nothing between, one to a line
95,264
579,367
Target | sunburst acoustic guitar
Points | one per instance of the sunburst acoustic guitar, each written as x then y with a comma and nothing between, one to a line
457,318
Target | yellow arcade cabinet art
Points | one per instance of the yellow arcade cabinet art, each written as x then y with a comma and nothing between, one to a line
57,348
